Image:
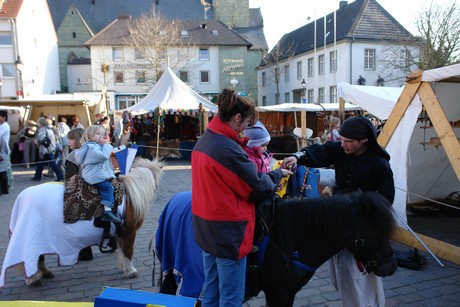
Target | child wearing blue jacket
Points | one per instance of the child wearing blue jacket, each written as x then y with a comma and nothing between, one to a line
94,159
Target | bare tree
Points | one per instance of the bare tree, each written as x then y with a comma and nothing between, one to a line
161,42
439,27
275,62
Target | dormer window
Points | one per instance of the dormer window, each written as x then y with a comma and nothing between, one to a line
184,33
215,32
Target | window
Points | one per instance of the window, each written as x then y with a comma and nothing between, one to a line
183,75
264,78
287,97
321,95
126,101
140,76
277,98
333,94
321,64
74,35
139,54
333,61
277,73
162,54
78,81
184,33
204,76
118,77
117,54
404,60
87,81
286,73
264,100
299,70
369,59
204,54
5,39
310,67
8,70
311,98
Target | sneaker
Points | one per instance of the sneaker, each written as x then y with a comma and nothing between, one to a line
48,175
109,216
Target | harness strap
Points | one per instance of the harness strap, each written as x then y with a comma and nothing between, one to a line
294,259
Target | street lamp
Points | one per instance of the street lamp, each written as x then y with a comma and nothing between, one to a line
234,82
304,85
19,68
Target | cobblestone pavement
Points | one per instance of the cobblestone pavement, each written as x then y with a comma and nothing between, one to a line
431,286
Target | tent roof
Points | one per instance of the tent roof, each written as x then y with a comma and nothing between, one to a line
309,107
170,93
89,99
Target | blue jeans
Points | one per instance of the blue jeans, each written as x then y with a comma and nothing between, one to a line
52,163
224,281
106,191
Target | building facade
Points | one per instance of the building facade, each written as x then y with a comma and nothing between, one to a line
28,59
360,43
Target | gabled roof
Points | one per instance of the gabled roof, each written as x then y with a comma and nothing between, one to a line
200,32
10,9
361,19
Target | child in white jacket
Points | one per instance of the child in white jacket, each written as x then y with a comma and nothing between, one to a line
97,169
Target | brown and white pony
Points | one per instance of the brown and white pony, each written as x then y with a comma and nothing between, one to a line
37,227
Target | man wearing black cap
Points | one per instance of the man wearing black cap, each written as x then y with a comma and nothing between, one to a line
360,164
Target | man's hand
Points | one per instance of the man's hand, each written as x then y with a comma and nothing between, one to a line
288,162
286,172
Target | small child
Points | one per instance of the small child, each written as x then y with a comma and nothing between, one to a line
96,167
257,147
334,127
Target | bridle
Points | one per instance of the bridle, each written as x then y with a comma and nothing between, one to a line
371,264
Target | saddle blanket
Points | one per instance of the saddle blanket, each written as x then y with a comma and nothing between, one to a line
83,201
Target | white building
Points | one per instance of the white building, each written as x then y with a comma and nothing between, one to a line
360,43
28,49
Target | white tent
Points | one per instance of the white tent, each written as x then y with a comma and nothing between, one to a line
173,95
309,107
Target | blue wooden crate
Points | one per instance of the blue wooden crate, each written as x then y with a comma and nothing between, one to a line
115,297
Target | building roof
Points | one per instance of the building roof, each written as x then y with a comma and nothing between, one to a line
200,32
10,8
361,19
100,13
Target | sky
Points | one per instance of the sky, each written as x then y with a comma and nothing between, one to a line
281,17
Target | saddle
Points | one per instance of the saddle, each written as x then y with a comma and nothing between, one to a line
83,202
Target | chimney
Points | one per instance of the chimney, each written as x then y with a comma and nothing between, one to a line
342,4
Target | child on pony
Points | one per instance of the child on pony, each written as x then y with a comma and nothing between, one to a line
97,169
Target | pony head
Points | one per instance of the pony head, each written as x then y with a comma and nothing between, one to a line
374,226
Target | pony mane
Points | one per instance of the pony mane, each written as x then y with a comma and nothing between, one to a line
329,217
141,185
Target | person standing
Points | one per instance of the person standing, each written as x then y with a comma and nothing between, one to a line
76,123
3,167
360,164
225,184
27,136
5,135
47,147
63,130
334,128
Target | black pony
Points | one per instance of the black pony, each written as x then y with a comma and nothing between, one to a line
303,235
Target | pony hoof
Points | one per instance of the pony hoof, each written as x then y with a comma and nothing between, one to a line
132,275
34,282
48,275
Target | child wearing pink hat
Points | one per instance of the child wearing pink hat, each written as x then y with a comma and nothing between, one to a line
257,147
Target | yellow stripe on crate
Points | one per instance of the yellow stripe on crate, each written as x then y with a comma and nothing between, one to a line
43,304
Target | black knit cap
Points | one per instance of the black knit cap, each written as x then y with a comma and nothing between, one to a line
358,128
